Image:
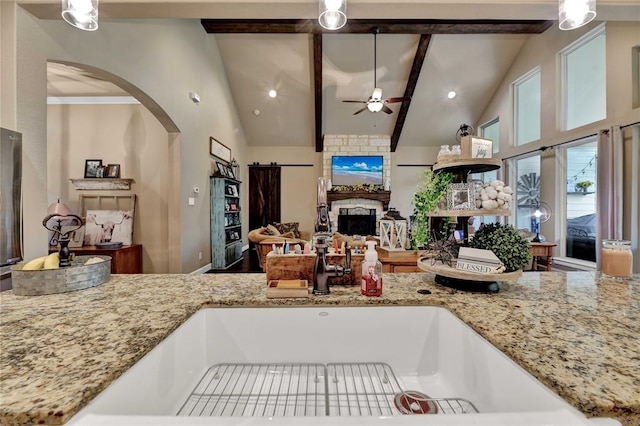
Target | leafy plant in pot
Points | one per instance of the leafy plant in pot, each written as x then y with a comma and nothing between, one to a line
505,242
430,194
584,185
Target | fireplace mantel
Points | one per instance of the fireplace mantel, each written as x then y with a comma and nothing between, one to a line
383,196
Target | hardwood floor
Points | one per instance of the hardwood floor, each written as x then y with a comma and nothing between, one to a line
249,263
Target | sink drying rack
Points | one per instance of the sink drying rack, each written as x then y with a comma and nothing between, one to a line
346,389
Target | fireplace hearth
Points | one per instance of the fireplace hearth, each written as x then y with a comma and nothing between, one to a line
357,221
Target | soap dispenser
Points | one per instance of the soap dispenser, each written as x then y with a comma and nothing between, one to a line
371,282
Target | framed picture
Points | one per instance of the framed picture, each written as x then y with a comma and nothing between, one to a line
103,226
91,168
113,171
461,196
100,171
230,173
219,150
222,169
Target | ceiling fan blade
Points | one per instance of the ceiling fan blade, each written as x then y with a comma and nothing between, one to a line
386,109
394,100
357,102
360,110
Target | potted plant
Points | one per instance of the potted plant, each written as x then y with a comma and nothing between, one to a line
583,185
505,242
431,192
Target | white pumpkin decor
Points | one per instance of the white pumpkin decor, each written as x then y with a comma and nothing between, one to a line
494,195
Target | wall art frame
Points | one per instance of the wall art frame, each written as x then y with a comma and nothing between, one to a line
461,196
219,150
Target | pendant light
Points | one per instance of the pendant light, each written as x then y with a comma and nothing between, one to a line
333,14
575,13
82,14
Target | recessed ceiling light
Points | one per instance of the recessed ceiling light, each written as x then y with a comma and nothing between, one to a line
256,112
273,93
451,94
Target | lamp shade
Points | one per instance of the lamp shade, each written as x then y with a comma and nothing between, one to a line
332,14
573,14
58,209
82,14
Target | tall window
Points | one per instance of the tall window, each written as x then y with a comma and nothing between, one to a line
528,191
581,214
584,80
491,130
526,107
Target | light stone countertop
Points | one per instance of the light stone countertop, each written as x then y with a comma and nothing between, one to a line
576,333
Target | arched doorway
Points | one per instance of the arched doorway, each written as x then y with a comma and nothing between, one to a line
93,114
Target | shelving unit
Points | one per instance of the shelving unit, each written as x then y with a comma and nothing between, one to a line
451,277
226,222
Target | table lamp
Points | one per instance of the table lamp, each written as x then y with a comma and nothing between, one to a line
59,212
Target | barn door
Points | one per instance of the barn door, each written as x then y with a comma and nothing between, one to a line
264,195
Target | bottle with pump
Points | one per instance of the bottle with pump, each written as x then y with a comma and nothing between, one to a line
371,281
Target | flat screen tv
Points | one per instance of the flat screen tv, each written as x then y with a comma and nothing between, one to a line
356,170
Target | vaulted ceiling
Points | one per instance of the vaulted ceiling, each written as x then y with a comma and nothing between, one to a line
424,49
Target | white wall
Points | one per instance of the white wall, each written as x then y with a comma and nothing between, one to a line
128,135
164,59
299,199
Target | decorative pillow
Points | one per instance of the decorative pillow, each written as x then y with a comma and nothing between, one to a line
272,230
288,227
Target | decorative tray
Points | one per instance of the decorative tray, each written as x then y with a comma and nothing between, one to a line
448,271
107,246
78,276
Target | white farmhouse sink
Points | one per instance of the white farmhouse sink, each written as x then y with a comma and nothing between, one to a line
425,349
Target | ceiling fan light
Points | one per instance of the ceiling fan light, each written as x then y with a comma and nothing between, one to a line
374,106
333,14
573,14
82,14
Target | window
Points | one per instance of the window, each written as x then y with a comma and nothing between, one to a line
527,192
581,215
491,130
526,107
583,79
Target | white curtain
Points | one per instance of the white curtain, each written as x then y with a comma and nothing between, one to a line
609,187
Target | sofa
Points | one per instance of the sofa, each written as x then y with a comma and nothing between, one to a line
264,238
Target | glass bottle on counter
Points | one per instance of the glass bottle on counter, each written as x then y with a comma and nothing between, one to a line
371,279
617,259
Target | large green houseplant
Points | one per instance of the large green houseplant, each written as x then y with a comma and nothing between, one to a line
431,191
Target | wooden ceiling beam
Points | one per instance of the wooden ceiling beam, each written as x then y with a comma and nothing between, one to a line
386,26
317,89
414,74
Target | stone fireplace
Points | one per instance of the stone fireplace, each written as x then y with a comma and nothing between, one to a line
357,221
377,202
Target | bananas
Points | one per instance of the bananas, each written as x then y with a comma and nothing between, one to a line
52,261
45,262
34,264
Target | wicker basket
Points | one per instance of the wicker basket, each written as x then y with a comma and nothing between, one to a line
78,276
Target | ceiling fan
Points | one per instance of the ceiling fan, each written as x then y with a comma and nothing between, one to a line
376,103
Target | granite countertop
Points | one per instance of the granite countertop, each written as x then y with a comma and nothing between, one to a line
575,332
